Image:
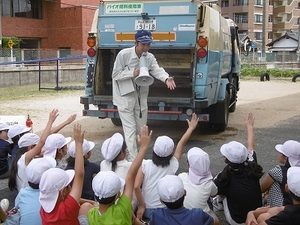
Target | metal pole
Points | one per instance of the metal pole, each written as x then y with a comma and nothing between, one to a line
298,50
0,24
298,38
263,47
11,54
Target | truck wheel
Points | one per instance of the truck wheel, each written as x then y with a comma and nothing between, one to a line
295,77
116,121
263,75
223,110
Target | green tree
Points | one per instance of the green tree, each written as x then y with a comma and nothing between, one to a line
15,40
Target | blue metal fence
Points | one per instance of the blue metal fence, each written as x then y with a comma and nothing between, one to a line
40,61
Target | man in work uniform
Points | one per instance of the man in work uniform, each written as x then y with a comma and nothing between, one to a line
130,99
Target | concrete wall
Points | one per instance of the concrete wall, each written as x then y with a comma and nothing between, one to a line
12,75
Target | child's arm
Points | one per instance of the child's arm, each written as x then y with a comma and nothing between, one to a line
138,193
37,149
79,163
192,125
3,215
254,214
144,140
249,124
83,200
266,183
63,124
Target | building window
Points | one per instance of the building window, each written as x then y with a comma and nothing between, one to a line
298,22
298,5
258,35
22,8
258,18
225,3
271,2
240,17
258,2
270,18
240,2
243,32
64,52
270,35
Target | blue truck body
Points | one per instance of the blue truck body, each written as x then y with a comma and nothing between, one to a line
192,42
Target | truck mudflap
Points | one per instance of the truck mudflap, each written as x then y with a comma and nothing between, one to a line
152,114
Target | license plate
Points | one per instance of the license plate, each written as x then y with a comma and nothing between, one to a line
145,24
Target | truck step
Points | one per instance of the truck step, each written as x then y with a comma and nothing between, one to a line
149,111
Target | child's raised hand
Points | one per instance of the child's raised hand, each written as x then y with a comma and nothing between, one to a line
78,134
249,121
145,137
53,115
194,121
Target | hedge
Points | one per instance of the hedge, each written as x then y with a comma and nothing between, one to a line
254,71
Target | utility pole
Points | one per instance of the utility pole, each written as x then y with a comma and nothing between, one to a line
0,24
298,50
264,22
298,38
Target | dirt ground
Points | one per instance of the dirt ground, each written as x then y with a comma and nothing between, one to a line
271,102
254,93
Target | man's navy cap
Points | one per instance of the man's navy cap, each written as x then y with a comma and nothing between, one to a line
143,36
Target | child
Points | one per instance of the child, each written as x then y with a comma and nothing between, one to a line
275,181
5,151
30,145
27,201
171,193
238,183
163,163
217,202
289,214
107,186
17,177
59,201
198,182
114,153
15,133
90,168
56,146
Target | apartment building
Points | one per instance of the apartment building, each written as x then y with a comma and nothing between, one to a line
286,17
280,16
48,24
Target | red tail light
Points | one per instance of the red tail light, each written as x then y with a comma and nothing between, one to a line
201,53
91,52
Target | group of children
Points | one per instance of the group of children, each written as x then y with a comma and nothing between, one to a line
51,191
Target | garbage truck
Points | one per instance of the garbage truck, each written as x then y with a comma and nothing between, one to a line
192,41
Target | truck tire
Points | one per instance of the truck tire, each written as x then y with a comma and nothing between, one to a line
219,123
116,121
263,75
295,77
